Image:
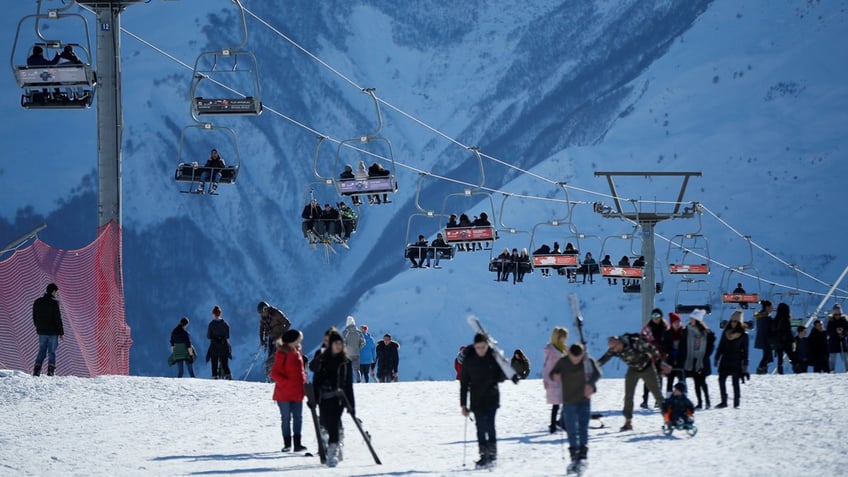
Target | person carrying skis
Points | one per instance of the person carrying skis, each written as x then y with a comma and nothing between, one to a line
577,374
333,376
639,355
289,376
678,410
480,377
272,324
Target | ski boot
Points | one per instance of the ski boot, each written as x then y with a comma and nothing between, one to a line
571,469
37,370
332,454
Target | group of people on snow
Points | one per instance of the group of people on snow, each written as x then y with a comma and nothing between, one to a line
822,348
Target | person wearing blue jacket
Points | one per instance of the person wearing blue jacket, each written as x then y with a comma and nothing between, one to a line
367,355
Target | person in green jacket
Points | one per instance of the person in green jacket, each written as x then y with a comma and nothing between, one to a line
577,373
181,349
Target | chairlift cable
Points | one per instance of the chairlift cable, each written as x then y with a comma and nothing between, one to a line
457,142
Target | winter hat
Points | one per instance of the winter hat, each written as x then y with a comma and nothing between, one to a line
837,308
291,336
680,386
736,316
183,321
334,336
699,314
52,287
673,317
480,338
364,327
351,321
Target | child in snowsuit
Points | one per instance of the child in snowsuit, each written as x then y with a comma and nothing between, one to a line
678,410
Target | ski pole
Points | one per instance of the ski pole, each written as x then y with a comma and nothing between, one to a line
250,368
464,440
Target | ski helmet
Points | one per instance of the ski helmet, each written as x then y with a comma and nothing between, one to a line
262,306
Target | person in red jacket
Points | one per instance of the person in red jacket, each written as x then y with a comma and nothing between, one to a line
289,376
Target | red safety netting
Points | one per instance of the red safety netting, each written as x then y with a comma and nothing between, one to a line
91,297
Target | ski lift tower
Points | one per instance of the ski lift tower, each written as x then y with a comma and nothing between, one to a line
110,124
647,221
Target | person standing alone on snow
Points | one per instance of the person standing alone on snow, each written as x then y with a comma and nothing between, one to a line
577,374
219,352
289,376
48,325
354,341
480,377
388,359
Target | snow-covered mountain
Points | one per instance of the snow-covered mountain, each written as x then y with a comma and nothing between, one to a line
752,95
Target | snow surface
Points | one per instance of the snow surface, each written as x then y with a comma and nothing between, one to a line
112,425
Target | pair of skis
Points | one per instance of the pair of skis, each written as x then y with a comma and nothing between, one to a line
312,403
503,362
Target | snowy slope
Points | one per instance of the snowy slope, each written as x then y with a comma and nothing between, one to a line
563,89
160,426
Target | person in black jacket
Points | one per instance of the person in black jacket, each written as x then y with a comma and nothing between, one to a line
762,335
673,346
48,325
480,377
388,359
732,357
334,375
219,352
311,216
817,345
781,335
377,170
182,353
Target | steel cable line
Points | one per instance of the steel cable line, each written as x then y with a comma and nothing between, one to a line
459,143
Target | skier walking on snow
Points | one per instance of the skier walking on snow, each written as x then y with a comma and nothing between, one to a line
480,377
334,375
